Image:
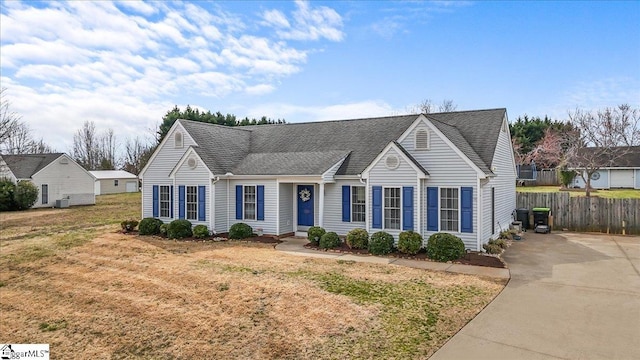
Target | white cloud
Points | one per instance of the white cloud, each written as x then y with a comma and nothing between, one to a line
275,18
309,23
138,6
259,89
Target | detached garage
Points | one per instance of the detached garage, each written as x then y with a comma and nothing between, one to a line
620,172
114,181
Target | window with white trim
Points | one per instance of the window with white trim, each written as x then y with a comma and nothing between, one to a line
358,199
449,209
45,194
192,203
249,202
115,182
164,201
422,139
392,208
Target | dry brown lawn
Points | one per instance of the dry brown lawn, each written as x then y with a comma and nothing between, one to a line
68,278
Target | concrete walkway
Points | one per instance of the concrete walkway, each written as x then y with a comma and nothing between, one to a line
295,246
571,296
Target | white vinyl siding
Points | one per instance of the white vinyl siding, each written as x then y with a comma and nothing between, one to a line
358,204
65,181
165,201
249,202
192,202
333,208
268,225
286,208
446,169
192,177
392,206
220,206
449,210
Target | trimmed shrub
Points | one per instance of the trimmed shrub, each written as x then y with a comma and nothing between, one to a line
7,188
201,232
163,229
444,247
492,248
25,195
129,225
149,226
499,242
240,231
315,233
566,177
409,242
380,243
179,229
330,240
357,239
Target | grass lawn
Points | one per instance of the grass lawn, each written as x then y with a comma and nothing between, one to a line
610,194
71,280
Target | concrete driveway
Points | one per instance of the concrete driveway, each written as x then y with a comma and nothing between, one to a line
571,296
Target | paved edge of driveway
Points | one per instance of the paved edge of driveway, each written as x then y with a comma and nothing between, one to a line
295,246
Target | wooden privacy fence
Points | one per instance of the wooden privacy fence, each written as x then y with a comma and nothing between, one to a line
547,177
586,214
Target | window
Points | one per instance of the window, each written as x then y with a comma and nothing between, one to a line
392,208
192,203
422,139
115,182
449,209
164,201
249,203
45,194
358,209
177,139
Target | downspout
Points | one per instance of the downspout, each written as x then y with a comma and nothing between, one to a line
367,205
212,203
479,212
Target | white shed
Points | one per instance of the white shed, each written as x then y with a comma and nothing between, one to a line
114,182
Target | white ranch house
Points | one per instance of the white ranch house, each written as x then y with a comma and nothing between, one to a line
444,172
621,172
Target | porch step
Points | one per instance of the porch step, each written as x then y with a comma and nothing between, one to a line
301,234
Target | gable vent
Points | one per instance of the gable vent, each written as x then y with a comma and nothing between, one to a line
192,163
422,139
392,162
64,161
177,138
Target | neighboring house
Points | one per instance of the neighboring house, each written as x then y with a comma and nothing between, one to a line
443,172
114,181
56,176
620,171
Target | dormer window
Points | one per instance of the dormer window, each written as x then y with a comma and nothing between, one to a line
177,138
422,139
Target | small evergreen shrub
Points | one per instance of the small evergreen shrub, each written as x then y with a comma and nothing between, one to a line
409,242
201,232
444,247
240,231
179,229
492,248
7,188
129,225
500,242
505,234
357,239
163,229
25,195
149,226
330,240
380,243
315,233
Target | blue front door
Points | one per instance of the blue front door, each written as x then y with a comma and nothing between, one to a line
305,205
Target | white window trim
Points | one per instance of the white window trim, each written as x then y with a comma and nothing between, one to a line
160,201
175,140
186,202
415,139
384,227
351,204
244,208
440,209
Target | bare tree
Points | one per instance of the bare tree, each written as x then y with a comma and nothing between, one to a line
137,153
20,141
427,106
107,147
447,106
85,146
548,153
8,119
603,138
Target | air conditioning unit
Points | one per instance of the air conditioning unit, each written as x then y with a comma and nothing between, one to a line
62,203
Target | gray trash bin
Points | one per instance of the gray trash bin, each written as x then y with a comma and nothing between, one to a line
522,215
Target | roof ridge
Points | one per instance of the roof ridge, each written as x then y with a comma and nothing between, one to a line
339,120
215,125
465,111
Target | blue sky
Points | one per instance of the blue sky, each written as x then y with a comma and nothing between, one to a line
124,64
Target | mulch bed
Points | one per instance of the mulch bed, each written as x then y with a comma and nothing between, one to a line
471,258
218,237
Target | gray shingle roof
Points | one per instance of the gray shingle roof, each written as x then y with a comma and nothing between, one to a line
309,148
24,166
622,156
289,163
411,158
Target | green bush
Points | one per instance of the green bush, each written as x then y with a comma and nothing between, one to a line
7,188
500,242
240,231
330,240
163,229
492,248
25,195
201,232
409,242
149,226
179,229
380,243
129,225
566,177
357,239
315,233
444,247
